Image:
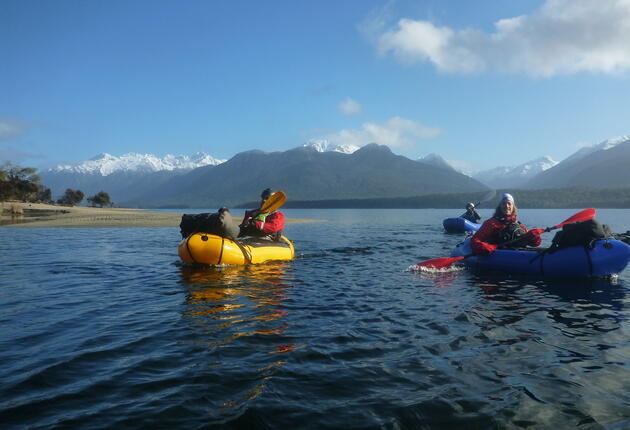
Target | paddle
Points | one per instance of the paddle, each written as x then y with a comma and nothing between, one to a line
488,196
441,263
584,215
274,202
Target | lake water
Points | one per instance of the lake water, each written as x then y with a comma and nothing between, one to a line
105,328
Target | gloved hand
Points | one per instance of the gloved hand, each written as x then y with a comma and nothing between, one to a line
487,248
258,221
533,236
246,222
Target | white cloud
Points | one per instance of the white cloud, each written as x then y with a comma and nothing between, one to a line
562,37
10,129
397,132
14,155
350,107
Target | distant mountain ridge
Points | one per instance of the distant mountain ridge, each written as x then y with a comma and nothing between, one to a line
437,160
604,165
105,164
602,146
303,173
126,177
514,176
322,145
319,170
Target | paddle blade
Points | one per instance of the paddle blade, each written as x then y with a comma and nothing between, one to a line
439,263
584,215
274,202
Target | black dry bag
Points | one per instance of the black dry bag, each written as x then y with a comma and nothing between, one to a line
583,233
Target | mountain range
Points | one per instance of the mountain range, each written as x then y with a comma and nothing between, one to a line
305,173
105,164
438,161
514,176
319,170
127,177
599,166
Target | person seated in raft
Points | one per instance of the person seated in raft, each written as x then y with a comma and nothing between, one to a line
266,226
471,214
503,230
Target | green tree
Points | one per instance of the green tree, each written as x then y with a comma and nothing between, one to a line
5,189
71,197
19,183
101,199
44,194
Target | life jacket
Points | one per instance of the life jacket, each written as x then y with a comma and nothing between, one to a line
508,235
623,237
273,219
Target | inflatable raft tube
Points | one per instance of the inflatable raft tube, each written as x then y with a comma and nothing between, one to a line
459,225
211,249
606,257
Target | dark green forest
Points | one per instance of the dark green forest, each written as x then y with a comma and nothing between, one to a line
576,197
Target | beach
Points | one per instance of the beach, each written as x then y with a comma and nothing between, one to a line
46,215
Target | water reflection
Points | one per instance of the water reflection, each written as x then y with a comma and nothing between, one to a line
237,314
236,298
604,293
586,317
28,215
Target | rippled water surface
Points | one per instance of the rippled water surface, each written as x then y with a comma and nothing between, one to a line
105,328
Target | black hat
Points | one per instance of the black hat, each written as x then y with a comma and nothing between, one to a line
266,193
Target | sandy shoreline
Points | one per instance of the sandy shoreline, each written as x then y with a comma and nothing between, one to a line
44,215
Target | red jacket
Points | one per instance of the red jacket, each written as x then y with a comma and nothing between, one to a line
273,223
487,238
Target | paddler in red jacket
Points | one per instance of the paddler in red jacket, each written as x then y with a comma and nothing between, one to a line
266,226
503,227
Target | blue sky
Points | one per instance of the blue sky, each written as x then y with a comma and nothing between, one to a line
483,83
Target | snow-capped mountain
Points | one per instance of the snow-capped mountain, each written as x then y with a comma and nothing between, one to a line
322,145
604,165
373,171
106,164
123,177
514,176
437,160
602,146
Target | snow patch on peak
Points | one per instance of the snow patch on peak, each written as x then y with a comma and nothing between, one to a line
609,143
323,145
602,146
105,164
510,176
